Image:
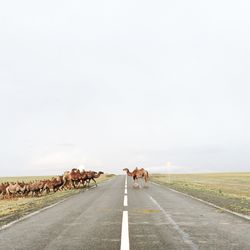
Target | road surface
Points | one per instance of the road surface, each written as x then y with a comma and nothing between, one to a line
112,216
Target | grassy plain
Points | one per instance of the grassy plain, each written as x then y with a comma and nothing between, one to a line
12,209
227,190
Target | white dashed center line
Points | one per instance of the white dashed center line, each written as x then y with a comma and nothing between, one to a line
125,233
125,230
125,202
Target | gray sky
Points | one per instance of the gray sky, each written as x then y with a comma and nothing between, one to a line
111,84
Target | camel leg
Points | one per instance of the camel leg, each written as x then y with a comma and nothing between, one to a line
88,181
8,193
83,183
146,181
73,183
134,178
94,181
64,183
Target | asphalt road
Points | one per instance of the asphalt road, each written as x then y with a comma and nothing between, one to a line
158,218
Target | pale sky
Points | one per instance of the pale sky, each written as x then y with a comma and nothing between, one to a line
105,85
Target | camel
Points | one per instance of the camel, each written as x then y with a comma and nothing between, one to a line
91,175
3,187
24,190
15,188
54,184
138,173
71,177
36,187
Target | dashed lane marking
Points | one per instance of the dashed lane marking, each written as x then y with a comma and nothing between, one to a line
125,202
125,232
125,229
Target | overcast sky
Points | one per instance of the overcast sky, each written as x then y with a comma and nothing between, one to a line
111,84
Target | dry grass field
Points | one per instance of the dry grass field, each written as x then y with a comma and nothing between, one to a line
11,209
227,190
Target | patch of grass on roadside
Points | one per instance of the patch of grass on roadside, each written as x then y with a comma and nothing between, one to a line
227,190
12,209
24,178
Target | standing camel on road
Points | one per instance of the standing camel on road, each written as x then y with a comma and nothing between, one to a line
138,173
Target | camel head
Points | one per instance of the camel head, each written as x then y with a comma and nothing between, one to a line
96,175
127,171
75,170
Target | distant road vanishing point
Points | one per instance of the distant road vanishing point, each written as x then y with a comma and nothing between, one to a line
116,216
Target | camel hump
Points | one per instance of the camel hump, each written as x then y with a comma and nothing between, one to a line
137,169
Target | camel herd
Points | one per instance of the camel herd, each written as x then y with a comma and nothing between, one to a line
70,179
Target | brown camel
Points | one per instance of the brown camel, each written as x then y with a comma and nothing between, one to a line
15,188
138,173
36,188
72,177
3,187
54,184
92,175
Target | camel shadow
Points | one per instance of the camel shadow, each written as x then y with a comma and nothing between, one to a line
136,186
